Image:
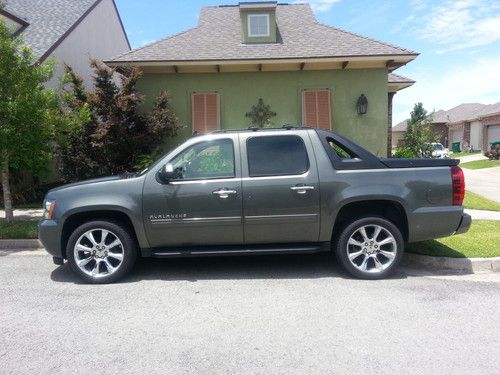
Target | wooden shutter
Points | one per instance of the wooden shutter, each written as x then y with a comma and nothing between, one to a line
205,112
316,110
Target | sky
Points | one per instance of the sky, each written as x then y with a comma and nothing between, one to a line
458,41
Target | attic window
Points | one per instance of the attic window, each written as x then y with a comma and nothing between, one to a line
258,25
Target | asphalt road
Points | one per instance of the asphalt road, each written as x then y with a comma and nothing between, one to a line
260,315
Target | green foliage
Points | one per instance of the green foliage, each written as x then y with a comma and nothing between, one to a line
111,135
404,152
419,135
26,108
494,153
19,229
261,114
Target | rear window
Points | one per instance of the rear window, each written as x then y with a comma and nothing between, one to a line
340,150
277,156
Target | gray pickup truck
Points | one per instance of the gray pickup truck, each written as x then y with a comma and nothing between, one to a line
256,191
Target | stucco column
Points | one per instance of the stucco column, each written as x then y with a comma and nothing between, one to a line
390,95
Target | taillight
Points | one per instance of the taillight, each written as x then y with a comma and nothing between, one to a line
458,183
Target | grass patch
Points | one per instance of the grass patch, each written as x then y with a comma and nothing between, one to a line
477,202
460,154
18,229
481,241
480,164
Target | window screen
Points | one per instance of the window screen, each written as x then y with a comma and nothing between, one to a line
258,25
277,156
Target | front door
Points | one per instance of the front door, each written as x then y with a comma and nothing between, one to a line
203,204
280,188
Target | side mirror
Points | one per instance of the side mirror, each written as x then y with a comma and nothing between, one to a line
167,173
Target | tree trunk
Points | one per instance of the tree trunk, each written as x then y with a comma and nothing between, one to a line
7,200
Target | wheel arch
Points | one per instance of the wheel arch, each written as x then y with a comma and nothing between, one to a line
391,210
78,218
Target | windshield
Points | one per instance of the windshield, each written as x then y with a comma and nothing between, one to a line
438,147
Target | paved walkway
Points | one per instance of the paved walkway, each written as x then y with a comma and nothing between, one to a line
484,182
483,215
473,157
25,214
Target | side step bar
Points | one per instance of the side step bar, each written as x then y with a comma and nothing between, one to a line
239,250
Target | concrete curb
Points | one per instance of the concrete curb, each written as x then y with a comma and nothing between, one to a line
20,244
456,265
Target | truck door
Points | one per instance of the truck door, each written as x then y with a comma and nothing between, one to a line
203,205
280,188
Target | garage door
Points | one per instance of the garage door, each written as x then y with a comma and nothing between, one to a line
493,134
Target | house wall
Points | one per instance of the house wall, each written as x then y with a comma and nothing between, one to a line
397,138
98,36
283,92
476,135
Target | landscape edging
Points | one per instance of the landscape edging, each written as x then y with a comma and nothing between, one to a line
458,265
20,244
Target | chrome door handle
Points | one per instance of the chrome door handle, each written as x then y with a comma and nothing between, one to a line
224,193
301,189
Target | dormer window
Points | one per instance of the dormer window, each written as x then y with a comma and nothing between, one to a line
258,25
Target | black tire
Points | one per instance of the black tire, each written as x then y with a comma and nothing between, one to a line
341,249
128,248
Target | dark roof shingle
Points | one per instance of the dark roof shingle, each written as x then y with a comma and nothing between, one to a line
218,37
48,20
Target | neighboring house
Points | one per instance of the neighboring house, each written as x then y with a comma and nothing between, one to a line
67,31
467,125
309,73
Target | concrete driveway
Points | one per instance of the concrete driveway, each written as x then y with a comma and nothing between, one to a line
485,182
258,315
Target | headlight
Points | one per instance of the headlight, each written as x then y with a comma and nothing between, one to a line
49,206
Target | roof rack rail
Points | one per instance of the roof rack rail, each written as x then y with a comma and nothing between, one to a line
254,128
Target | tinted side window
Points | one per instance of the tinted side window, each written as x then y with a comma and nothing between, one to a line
277,156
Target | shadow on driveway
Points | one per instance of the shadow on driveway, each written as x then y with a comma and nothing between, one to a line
303,266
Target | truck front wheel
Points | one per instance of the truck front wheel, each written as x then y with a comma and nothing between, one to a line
369,248
101,252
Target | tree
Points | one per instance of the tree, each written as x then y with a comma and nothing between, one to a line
111,134
419,135
27,111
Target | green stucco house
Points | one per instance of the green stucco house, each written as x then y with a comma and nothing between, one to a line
307,72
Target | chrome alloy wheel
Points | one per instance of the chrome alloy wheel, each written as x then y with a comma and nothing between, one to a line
372,248
98,252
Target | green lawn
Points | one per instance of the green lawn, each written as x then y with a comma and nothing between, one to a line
19,229
460,154
477,202
481,241
480,164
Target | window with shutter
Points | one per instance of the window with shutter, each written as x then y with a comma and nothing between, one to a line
316,109
205,112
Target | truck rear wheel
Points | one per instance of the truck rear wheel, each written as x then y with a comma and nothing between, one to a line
369,248
101,252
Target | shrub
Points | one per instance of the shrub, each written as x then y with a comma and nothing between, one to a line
494,153
405,153
113,136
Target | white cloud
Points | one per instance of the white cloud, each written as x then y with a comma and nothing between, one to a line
477,81
320,5
459,24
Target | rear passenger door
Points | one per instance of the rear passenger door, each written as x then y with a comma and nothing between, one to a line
280,188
